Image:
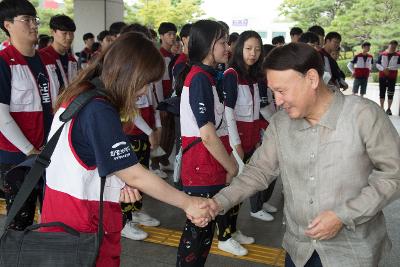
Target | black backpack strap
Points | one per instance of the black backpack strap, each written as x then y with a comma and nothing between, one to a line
100,231
198,139
43,159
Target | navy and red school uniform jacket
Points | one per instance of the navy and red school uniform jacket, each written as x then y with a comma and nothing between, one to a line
26,101
362,65
390,61
166,79
331,66
246,98
67,74
180,64
200,104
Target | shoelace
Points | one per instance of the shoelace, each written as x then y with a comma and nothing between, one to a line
235,243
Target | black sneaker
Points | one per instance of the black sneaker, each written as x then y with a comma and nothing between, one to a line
388,111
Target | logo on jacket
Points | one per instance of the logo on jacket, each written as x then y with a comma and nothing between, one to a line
43,84
120,150
202,108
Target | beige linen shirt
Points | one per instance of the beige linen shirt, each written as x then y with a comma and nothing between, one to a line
349,162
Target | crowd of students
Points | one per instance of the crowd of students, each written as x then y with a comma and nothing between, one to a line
224,109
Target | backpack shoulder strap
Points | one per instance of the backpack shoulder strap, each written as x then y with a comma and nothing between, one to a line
42,160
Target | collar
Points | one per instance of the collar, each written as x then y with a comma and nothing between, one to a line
212,71
329,119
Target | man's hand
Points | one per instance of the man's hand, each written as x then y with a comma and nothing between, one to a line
201,211
386,72
129,195
325,226
198,211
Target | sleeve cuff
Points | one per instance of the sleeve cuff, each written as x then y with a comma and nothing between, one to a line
223,203
346,220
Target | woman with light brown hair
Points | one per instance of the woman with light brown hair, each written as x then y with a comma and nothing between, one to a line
93,145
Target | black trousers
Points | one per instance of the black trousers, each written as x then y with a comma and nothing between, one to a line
259,198
141,147
389,84
167,139
195,242
11,186
314,261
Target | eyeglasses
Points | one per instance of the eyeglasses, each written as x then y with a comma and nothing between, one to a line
29,20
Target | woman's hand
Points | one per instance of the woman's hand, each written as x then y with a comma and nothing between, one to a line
199,211
129,195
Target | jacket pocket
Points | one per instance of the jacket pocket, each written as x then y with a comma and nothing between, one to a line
20,95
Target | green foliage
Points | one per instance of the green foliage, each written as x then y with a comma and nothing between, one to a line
152,12
45,14
375,77
313,12
376,21
343,66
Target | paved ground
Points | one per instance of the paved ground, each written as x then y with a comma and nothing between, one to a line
266,233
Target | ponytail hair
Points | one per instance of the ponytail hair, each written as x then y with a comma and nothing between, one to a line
203,35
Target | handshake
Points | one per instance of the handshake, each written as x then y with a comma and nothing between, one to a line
201,210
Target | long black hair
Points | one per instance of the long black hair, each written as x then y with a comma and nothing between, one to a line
202,38
254,72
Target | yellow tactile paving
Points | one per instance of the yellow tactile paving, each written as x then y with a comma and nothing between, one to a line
257,253
168,237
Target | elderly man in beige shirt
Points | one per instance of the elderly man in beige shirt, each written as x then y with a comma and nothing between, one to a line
339,159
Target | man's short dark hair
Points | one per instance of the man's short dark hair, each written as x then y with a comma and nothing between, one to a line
136,27
9,9
166,27
318,30
365,44
103,34
278,40
62,23
295,31
87,36
294,56
333,35
116,27
309,37
185,31
394,42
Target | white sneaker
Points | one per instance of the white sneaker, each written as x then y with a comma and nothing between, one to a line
269,208
169,167
262,215
242,239
233,247
159,173
143,218
132,231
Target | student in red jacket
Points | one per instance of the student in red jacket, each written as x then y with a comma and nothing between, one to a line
63,30
388,64
29,89
360,68
203,127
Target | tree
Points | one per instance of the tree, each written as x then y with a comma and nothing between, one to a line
152,12
376,21
313,12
